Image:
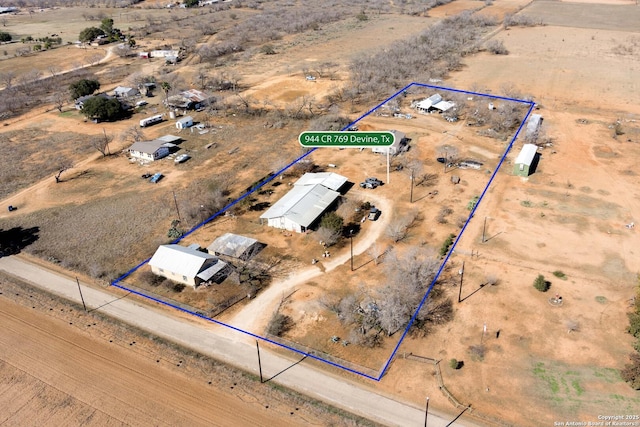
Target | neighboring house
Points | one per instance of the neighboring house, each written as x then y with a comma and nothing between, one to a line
184,122
433,103
399,144
186,265
125,92
235,246
526,161
150,150
79,102
533,126
305,203
191,99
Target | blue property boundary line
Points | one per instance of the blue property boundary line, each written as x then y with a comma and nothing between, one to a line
117,282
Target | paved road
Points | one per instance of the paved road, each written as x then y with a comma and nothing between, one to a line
209,340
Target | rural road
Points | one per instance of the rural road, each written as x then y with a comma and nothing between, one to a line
209,340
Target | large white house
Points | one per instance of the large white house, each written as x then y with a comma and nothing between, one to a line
303,205
186,265
150,150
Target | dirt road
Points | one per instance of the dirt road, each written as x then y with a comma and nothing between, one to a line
306,379
256,314
51,374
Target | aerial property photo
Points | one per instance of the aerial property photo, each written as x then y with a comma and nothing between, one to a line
347,213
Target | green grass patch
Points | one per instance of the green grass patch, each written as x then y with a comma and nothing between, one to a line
601,300
526,203
577,387
560,275
67,113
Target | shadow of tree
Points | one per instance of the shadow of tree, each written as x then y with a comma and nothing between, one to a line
12,241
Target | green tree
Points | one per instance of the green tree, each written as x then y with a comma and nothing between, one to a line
101,108
541,284
106,25
332,221
83,87
89,34
5,37
191,3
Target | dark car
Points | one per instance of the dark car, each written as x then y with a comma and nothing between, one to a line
374,214
441,160
146,175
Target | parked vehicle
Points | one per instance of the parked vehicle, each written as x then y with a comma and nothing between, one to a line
441,160
156,177
12,208
371,183
374,214
182,158
146,175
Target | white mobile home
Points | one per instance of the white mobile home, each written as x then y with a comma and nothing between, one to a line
151,120
524,163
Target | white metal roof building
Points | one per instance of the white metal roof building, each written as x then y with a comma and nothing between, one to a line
434,102
331,180
305,203
525,160
185,265
533,125
233,245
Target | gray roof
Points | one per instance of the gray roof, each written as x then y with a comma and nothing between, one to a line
150,147
232,245
331,180
303,204
211,271
527,154
180,260
169,138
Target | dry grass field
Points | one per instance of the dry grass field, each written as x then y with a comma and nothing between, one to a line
566,221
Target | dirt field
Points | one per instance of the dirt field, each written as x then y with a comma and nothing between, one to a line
568,218
90,372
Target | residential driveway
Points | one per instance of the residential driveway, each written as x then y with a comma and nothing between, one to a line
207,339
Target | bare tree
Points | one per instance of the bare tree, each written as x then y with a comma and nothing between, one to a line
7,78
133,134
398,228
53,70
328,236
375,251
101,143
60,98
62,164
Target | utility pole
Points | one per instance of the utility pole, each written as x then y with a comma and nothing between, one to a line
461,273
426,412
259,362
484,228
175,200
351,240
81,297
411,193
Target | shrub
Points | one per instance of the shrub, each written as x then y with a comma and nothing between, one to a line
279,324
472,203
332,221
447,243
5,37
541,284
497,47
454,364
631,371
560,275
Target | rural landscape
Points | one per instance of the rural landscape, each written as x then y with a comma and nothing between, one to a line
160,213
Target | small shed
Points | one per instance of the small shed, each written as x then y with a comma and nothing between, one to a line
185,122
526,160
235,246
